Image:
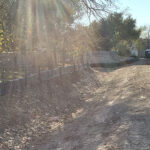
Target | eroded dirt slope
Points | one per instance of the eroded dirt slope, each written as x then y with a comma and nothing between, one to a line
97,109
28,117
115,115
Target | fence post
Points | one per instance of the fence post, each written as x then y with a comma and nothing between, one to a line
3,84
3,74
33,62
50,66
39,75
26,76
74,67
60,72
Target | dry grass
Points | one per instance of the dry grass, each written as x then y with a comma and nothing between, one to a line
40,109
96,109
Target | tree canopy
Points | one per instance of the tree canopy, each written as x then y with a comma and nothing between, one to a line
113,29
21,19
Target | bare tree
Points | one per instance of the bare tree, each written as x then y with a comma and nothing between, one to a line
96,7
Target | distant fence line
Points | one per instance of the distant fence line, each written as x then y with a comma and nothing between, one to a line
19,69
32,62
41,77
38,67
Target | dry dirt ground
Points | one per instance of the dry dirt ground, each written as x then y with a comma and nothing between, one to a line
115,115
107,109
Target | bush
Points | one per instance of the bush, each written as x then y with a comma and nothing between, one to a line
123,48
140,44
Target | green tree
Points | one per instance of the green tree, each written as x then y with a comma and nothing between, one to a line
122,28
113,29
140,44
100,34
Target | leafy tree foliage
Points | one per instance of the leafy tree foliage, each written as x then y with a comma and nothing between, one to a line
7,13
113,29
54,12
140,44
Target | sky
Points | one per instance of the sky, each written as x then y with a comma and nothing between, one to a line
139,9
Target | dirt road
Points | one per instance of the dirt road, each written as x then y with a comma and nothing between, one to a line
115,116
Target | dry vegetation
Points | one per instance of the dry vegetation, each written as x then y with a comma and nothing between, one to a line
115,115
96,109
27,115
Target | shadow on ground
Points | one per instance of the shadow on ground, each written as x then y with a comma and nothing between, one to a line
115,117
98,109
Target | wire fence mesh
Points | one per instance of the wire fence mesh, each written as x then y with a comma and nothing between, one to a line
19,69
